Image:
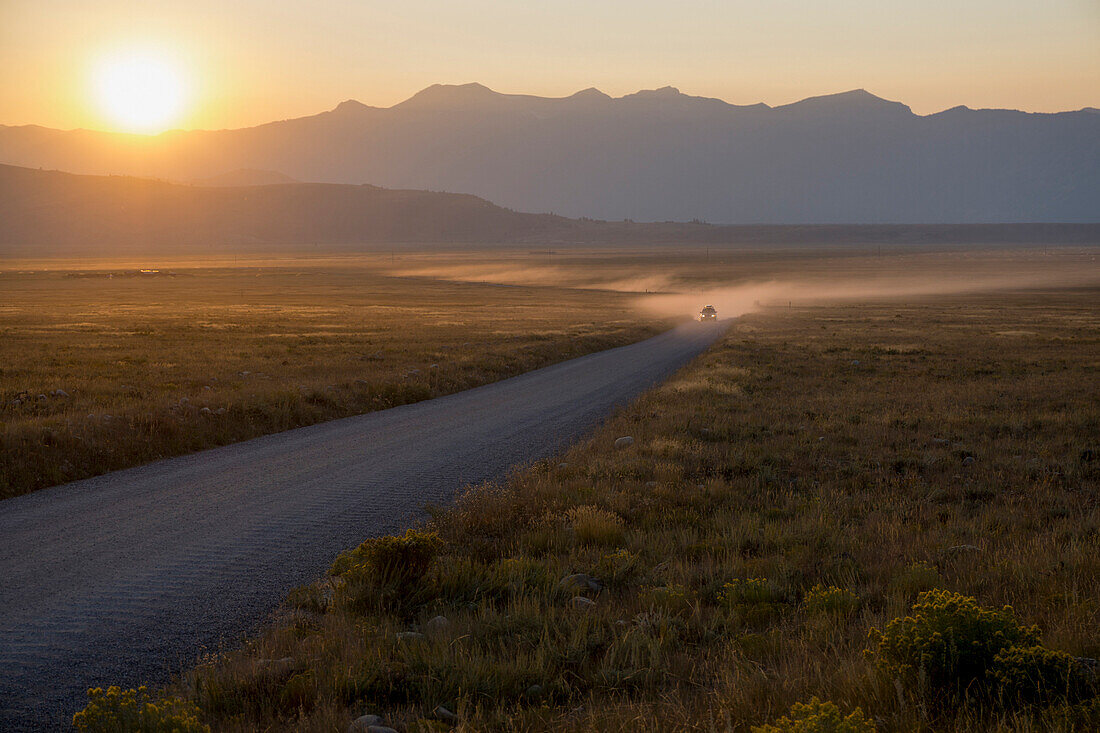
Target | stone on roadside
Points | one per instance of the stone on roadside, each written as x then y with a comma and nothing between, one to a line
442,713
436,625
534,691
582,604
651,484
968,461
624,442
580,581
409,636
60,393
219,411
206,411
364,723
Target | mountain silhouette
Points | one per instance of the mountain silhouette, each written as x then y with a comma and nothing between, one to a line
51,213
653,155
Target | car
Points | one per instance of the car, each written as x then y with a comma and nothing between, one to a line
709,313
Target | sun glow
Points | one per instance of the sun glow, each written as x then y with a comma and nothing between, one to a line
141,90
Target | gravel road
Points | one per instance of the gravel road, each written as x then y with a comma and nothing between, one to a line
127,577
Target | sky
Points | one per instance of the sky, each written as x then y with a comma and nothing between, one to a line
245,62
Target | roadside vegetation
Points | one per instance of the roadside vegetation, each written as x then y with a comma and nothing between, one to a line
843,518
103,369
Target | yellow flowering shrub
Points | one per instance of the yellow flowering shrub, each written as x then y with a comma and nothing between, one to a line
947,641
822,600
115,710
385,571
1037,675
816,716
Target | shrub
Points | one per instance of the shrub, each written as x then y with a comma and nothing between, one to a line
948,641
385,571
671,598
621,567
830,600
818,717
596,526
1040,676
747,591
115,710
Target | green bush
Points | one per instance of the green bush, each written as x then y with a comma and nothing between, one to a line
385,572
1039,676
818,717
822,600
948,641
115,710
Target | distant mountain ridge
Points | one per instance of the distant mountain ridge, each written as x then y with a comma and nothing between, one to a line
47,214
650,156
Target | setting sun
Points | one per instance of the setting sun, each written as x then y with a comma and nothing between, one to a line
141,91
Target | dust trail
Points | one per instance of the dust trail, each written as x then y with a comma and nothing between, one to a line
628,280
736,300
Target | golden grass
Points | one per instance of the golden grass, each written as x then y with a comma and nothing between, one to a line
156,366
746,544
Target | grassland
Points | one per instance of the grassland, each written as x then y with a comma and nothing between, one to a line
156,365
792,490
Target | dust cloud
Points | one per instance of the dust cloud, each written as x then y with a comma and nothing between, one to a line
737,300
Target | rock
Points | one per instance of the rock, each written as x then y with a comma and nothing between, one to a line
442,713
563,465
207,387
582,604
624,442
436,625
651,484
219,411
60,393
941,441
185,401
42,398
364,723
380,729
968,461
414,371
534,691
961,550
409,636
580,581
206,411
434,366
16,402
282,661
243,374
855,362
1090,664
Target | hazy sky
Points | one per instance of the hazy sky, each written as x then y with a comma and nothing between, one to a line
251,61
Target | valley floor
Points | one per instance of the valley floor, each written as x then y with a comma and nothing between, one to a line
105,367
803,484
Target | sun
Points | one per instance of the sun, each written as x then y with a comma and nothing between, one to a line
140,90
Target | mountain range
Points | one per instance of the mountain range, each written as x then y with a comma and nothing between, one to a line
651,156
51,213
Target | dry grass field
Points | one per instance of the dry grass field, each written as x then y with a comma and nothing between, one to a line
104,368
797,488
